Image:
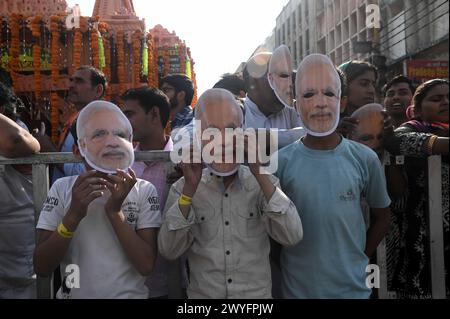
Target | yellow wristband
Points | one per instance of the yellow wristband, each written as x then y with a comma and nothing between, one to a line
185,200
64,232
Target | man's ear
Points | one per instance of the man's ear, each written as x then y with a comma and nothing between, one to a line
181,97
344,102
99,91
155,114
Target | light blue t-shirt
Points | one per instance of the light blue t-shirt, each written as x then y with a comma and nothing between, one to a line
326,187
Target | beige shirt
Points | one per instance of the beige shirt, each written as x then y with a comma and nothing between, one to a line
226,235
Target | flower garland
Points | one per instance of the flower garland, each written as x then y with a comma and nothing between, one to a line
54,101
136,39
54,117
144,66
121,61
152,62
103,28
15,47
95,48
194,80
37,51
101,51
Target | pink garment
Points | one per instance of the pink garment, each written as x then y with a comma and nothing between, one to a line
156,173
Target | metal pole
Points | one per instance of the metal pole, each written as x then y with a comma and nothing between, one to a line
174,273
436,231
381,263
40,190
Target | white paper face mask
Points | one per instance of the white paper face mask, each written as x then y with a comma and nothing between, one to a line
280,75
370,127
219,114
318,90
105,137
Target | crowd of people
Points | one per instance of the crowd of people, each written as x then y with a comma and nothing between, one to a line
351,170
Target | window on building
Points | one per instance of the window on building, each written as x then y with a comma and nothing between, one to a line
307,42
299,15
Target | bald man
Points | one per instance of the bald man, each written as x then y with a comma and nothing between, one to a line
223,215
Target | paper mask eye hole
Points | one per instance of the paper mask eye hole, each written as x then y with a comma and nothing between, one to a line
284,75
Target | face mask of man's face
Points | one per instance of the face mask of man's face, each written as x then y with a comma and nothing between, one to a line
318,96
107,141
280,75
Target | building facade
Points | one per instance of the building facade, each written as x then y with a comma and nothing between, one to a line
337,28
398,36
414,38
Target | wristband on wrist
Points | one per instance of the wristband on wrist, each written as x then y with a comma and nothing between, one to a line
185,200
63,231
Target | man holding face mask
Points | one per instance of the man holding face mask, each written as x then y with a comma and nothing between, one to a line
223,215
269,102
325,175
104,220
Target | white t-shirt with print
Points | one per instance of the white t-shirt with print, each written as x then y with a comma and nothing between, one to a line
104,269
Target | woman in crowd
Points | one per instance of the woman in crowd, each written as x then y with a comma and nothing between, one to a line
431,103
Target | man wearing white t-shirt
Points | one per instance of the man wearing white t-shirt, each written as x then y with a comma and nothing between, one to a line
100,227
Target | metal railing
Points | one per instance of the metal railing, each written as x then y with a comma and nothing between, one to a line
40,178
436,237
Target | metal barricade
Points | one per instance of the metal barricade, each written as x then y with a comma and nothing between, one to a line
40,163
436,240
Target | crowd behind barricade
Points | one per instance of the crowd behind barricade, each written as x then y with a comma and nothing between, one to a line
350,171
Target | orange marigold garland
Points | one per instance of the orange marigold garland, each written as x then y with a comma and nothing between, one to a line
152,62
15,47
37,50
95,48
136,41
54,117
194,82
121,61
107,69
54,113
